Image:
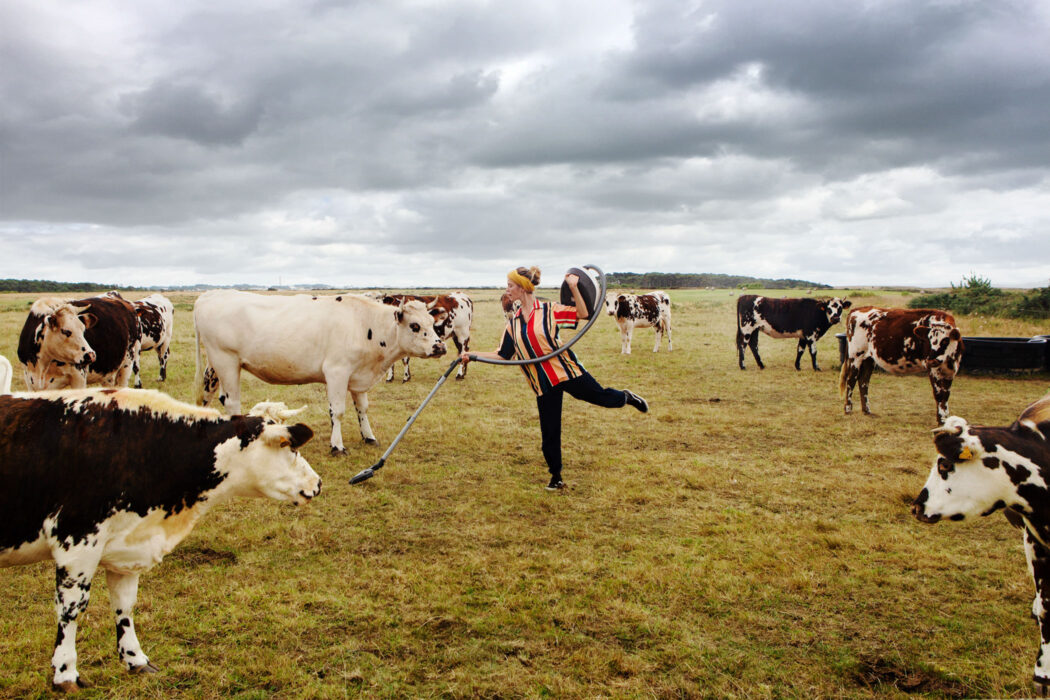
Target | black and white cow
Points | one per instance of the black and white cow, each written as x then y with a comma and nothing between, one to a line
117,478
806,319
346,342
71,343
156,316
900,341
980,470
651,310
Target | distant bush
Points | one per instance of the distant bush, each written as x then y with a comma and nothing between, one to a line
976,295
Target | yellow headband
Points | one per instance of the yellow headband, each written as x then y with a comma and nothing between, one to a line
521,280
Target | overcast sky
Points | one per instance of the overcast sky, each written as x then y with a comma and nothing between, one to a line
390,143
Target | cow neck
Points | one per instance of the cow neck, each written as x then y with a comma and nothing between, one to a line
385,341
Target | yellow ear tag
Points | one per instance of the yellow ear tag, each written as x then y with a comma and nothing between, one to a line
966,453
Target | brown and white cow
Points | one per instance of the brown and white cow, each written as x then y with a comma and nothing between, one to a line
651,310
980,470
117,478
453,314
806,319
156,316
901,341
6,375
509,306
346,342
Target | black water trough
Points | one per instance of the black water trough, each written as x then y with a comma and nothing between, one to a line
994,354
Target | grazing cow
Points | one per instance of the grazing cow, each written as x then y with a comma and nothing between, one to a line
346,341
805,319
156,316
70,343
6,374
652,310
900,341
980,470
116,478
456,314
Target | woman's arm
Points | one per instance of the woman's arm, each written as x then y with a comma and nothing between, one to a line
465,357
581,306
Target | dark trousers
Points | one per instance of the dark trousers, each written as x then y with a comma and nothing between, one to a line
585,388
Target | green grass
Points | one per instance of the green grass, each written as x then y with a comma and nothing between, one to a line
743,539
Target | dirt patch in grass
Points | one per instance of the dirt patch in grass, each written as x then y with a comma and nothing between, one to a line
202,556
878,674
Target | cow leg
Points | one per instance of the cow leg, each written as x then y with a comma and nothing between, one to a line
74,569
123,592
461,347
942,388
850,371
741,343
659,337
228,375
667,329
162,357
863,380
361,404
390,373
802,343
627,337
752,342
813,353
408,374
135,372
1038,558
335,384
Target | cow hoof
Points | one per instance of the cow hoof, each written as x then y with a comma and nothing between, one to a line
147,667
70,686
371,441
461,376
338,452
1041,687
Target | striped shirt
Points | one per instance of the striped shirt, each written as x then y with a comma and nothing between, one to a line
536,336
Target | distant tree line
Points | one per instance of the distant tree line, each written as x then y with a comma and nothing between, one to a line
10,285
976,295
677,280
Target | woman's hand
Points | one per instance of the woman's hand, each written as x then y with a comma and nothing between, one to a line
572,280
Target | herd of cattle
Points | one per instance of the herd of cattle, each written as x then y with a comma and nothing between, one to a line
92,505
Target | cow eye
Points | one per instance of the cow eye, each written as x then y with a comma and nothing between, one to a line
944,467
68,334
414,327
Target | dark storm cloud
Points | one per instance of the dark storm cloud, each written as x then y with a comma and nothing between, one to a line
344,141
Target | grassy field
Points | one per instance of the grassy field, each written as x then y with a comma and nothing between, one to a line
743,539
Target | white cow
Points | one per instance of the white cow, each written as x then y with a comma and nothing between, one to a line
346,342
5,375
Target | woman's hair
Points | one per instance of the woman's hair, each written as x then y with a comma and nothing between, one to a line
530,273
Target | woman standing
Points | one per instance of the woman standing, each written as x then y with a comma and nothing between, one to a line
533,332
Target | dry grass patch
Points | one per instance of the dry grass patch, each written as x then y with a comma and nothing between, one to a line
743,539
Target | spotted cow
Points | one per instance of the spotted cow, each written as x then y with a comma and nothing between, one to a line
346,342
806,319
6,375
117,478
456,314
156,316
980,470
900,341
509,306
651,310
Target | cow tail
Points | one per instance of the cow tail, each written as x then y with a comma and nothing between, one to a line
198,373
842,375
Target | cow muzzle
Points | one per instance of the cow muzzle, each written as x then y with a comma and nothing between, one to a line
438,350
918,508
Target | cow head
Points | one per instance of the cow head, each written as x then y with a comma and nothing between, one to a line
965,480
834,308
442,318
510,306
611,300
415,330
270,465
944,339
60,336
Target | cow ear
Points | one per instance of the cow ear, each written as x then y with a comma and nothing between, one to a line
847,303
52,322
439,315
388,300
88,320
955,334
399,314
299,434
